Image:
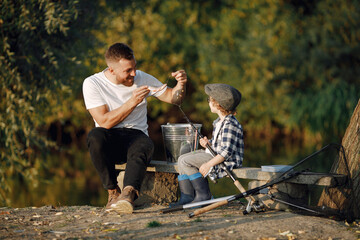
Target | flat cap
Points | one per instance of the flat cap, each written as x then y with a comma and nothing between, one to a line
227,96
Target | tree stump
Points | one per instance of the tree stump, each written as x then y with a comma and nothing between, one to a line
347,198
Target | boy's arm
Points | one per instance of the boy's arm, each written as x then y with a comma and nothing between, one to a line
205,168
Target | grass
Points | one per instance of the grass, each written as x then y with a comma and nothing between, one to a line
153,224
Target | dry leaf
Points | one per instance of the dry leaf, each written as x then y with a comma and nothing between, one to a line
284,233
58,232
39,223
291,236
176,236
111,230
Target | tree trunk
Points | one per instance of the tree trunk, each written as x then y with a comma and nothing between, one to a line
347,198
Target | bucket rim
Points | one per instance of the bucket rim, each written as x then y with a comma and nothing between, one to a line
172,125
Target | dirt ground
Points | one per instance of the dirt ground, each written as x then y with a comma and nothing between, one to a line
86,222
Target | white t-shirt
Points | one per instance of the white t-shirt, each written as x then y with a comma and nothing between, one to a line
216,133
99,91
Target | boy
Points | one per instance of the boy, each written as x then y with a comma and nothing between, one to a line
227,142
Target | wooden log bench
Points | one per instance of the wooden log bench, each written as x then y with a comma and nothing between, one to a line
160,183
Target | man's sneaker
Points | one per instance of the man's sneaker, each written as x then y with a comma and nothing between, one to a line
113,197
125,202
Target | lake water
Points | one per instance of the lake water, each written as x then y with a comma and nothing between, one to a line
74,181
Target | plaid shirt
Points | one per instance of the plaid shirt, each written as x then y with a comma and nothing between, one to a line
229,143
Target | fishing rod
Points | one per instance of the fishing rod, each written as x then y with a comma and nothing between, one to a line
272,197
213,153
290,173
196,204
257,207
242,195
198,132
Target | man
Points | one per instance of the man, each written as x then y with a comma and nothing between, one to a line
116,99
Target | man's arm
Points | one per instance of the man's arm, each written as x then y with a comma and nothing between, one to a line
108,119
175,95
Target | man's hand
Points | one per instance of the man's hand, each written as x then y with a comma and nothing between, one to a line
108,119
175,95
180,76
139,94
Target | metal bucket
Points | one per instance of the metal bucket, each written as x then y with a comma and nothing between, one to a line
179,138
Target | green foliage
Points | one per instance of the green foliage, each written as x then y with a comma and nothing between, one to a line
296,64
326,89
38,54
279,54
153,224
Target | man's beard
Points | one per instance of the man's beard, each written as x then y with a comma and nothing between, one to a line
128,82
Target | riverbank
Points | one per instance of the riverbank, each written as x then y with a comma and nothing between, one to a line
86,222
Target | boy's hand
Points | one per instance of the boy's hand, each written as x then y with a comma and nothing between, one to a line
205,168
204,141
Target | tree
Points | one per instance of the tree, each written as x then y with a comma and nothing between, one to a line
324,81
346,198
297,64
39,39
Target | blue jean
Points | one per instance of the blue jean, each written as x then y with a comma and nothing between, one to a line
108,147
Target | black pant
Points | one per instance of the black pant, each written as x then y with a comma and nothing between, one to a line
120,145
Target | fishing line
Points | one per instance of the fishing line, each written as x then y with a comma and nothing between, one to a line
198,132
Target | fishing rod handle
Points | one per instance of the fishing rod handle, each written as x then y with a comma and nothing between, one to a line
173,209
236,182
239,186
208,208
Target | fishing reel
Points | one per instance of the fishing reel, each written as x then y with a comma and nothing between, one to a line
211,175
256,206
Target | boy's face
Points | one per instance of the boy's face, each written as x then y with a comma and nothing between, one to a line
213,109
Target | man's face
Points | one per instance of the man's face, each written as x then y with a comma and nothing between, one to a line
124,71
